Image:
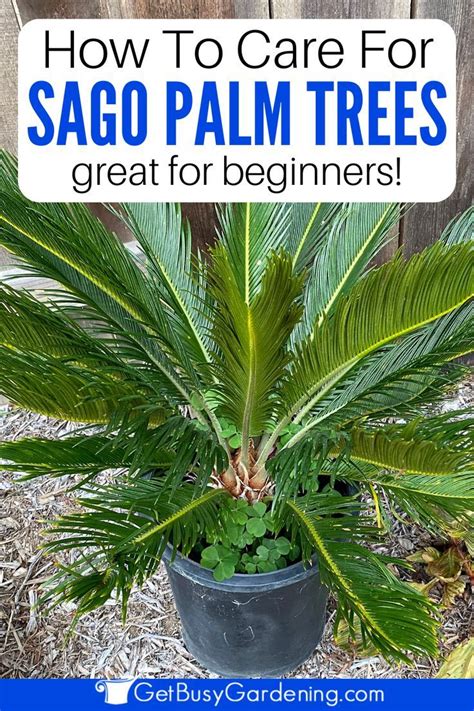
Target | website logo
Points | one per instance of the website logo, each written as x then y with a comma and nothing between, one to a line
116,690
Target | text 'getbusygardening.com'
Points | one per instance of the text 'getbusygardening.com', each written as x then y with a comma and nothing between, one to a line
237,692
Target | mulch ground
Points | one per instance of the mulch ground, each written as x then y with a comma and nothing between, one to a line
34,644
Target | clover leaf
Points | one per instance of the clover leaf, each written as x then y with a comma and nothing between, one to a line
283,545
257,509
256,526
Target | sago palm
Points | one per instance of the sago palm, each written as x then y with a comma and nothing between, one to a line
270,369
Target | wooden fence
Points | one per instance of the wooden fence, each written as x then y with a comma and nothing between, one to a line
422,223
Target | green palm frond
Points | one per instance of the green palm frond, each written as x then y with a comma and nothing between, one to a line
138,517
249,232
433,500
428,446
177,448
68,391
252,339
127,528
392,615
453,430
166,242
460,229
404,394
30,324
357,234
400,378
309,227
89,583
69,245
395,449
296,469
86,455
75,244
198,450
433,283
38,330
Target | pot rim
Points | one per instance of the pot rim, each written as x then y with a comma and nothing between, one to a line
240,582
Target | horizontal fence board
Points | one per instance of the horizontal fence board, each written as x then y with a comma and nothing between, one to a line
134,9
349,9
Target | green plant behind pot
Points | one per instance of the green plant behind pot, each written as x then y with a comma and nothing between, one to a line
268,369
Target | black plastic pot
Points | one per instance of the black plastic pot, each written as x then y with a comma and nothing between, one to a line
249,625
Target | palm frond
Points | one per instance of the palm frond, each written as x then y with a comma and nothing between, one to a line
198,451
433,283
309,227
297,469
72,241
400,378
252,339
123,534
433,500
39,339
401,450
249,232
404,395
43,328
68,244
138,516
166,242
427,446
89,582
414,371
68,391
356,235
392,615
30,324
452,430
85,455
460,229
